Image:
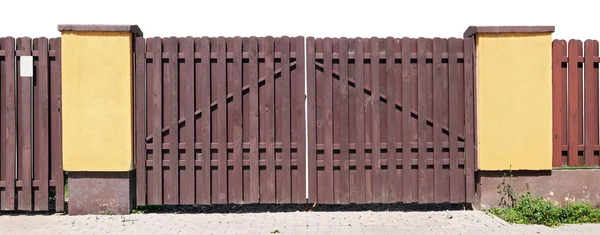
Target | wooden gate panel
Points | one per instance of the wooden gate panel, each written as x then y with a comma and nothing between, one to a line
405,103
223,120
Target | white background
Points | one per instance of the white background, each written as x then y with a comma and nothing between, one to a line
319,18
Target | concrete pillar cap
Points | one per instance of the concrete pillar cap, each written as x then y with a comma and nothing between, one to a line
133,29
472,30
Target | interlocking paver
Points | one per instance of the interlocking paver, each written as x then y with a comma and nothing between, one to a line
311,223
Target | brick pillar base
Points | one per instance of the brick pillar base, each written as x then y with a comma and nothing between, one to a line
101,192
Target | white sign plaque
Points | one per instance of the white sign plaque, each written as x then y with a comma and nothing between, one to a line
26,66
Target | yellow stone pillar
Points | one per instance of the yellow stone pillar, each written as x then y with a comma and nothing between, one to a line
514,97
97,114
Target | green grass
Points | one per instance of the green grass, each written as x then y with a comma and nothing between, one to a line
535,210
144,209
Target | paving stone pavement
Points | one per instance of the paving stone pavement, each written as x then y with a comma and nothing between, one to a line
445,222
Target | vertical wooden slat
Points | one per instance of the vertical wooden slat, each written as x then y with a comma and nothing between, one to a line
236,195
335,116
171,119
312,120
455,173
187,98
360,122
221,79
559,91
24,131
203,190
378,188
155,112
369,171
391,120
407,178
398,119
422,118
328,121
2,125
575,50
269,120
254,121
343,118
284,97
140,120
8,111
439,180
591,102
469,80
56,124
40,125
299,115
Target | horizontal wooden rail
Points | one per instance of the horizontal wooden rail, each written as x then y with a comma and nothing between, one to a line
294,162
294,145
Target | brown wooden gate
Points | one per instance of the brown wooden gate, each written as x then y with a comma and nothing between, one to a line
220,120
31,175
390,120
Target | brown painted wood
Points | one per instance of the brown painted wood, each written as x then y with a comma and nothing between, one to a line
360,123
24,131
139,118
203,188
461,120
284,97
575,117
9,134
327,123
269,121
398,119
299,115
57,173
312,120
591,102
422,122
391,121
41,121
236,180
408,194
335,116
187,107
469,81
378,188
564,103
171,117
455,173
220,78
245,122
440,180
559,92
254,121
430,169
155,187
344,198
369,171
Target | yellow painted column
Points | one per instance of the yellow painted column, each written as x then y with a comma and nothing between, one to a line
97,117
514,97
97,98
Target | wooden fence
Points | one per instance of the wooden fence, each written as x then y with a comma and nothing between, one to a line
390,120
575,103
225,120
31,175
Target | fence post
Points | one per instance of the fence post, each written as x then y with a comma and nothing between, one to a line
97,109
513,107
